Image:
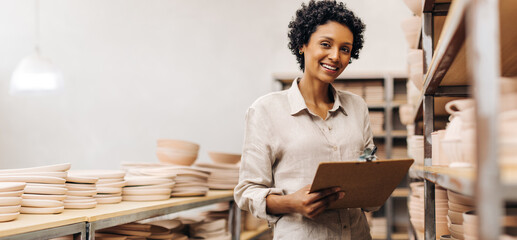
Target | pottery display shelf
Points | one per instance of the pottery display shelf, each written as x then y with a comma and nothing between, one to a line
82,221
462,180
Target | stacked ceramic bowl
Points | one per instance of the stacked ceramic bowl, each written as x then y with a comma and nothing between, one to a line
215,230
109,186
45,189
189,182
146,188
224,158
441,210
10,200
222,175
177,152
458,204
509,222
416,208
221,210
416,148
411,27
81,192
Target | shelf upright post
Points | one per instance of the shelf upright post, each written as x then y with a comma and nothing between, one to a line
234,221
430,218
427,39
483,47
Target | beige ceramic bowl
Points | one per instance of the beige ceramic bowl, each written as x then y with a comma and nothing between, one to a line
229,158
178,144
173,157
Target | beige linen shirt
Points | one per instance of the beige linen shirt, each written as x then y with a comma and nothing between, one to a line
284,143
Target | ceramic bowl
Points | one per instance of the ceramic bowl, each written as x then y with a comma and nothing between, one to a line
172,157
178,144
11,193
411,27
229,158
49,168
10,201
4,217
460,208
459,198
455,217
10,209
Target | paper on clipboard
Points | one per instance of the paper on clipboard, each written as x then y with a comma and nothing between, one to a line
366,184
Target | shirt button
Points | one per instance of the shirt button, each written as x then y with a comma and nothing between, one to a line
344,227
335,148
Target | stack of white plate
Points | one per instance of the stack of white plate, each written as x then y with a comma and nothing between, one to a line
441,210
174,226
80,193
10,200
45,189
458,204
189,182
215,230
109,186
146,188
220,210
222,176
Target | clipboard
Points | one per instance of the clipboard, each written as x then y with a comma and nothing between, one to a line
366,184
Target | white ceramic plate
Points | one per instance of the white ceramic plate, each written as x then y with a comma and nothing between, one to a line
100,195
80,187
109,189
165,185
10,209
81,179
58,185
109,180
79,198
36,210
217,166
99,173
109,200
44,196
142,181
157,191
32,179
11,186
169,224
49,168
45,190
112,185
8,216
188,194
10,201
48,174
145,197
82,200
41,203
83,193
80,205
11,194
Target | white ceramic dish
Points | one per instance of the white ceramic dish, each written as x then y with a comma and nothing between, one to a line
109,180
145,197
44,196
10,201
109,200
142,181
41,203
80,187
188,194
112,185
48,174
81,179
165,185
82,200
49,168
36,210
58,185
83,193
11,194
45,190
109,189
100,173
10,209
11,186
4,217
217,166
80,205
157,191
100,195
209,226
32,179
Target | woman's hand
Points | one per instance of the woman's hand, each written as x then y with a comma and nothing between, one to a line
308,204
312,204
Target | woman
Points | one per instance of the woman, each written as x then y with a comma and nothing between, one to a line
289,132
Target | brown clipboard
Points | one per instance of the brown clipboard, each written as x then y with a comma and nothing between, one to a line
366,184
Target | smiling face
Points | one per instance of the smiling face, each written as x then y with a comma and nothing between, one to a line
328,52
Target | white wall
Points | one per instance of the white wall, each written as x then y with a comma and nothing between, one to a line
138,70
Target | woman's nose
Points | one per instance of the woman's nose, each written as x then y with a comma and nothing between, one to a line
334,55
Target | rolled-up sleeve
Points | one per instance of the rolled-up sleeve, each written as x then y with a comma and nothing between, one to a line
256,175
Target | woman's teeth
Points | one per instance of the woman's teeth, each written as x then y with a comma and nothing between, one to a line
329,67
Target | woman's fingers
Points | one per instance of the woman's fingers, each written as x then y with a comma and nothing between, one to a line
316,196
320,206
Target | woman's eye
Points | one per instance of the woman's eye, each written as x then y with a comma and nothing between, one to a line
346,50
324,44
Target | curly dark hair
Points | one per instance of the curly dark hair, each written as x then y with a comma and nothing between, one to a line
310,16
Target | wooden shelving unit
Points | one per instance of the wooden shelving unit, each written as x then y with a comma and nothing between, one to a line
476,46
85,222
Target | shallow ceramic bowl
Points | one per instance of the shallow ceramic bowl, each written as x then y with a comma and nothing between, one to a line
167,156
459,198
219,157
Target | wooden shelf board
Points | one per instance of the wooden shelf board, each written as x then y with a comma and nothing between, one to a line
34,222
508,37
246,235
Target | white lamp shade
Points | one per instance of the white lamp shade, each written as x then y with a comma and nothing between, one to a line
36,74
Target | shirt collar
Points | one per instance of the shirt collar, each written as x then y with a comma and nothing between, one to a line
297,103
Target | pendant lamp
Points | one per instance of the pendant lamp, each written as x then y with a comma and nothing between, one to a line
35,73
